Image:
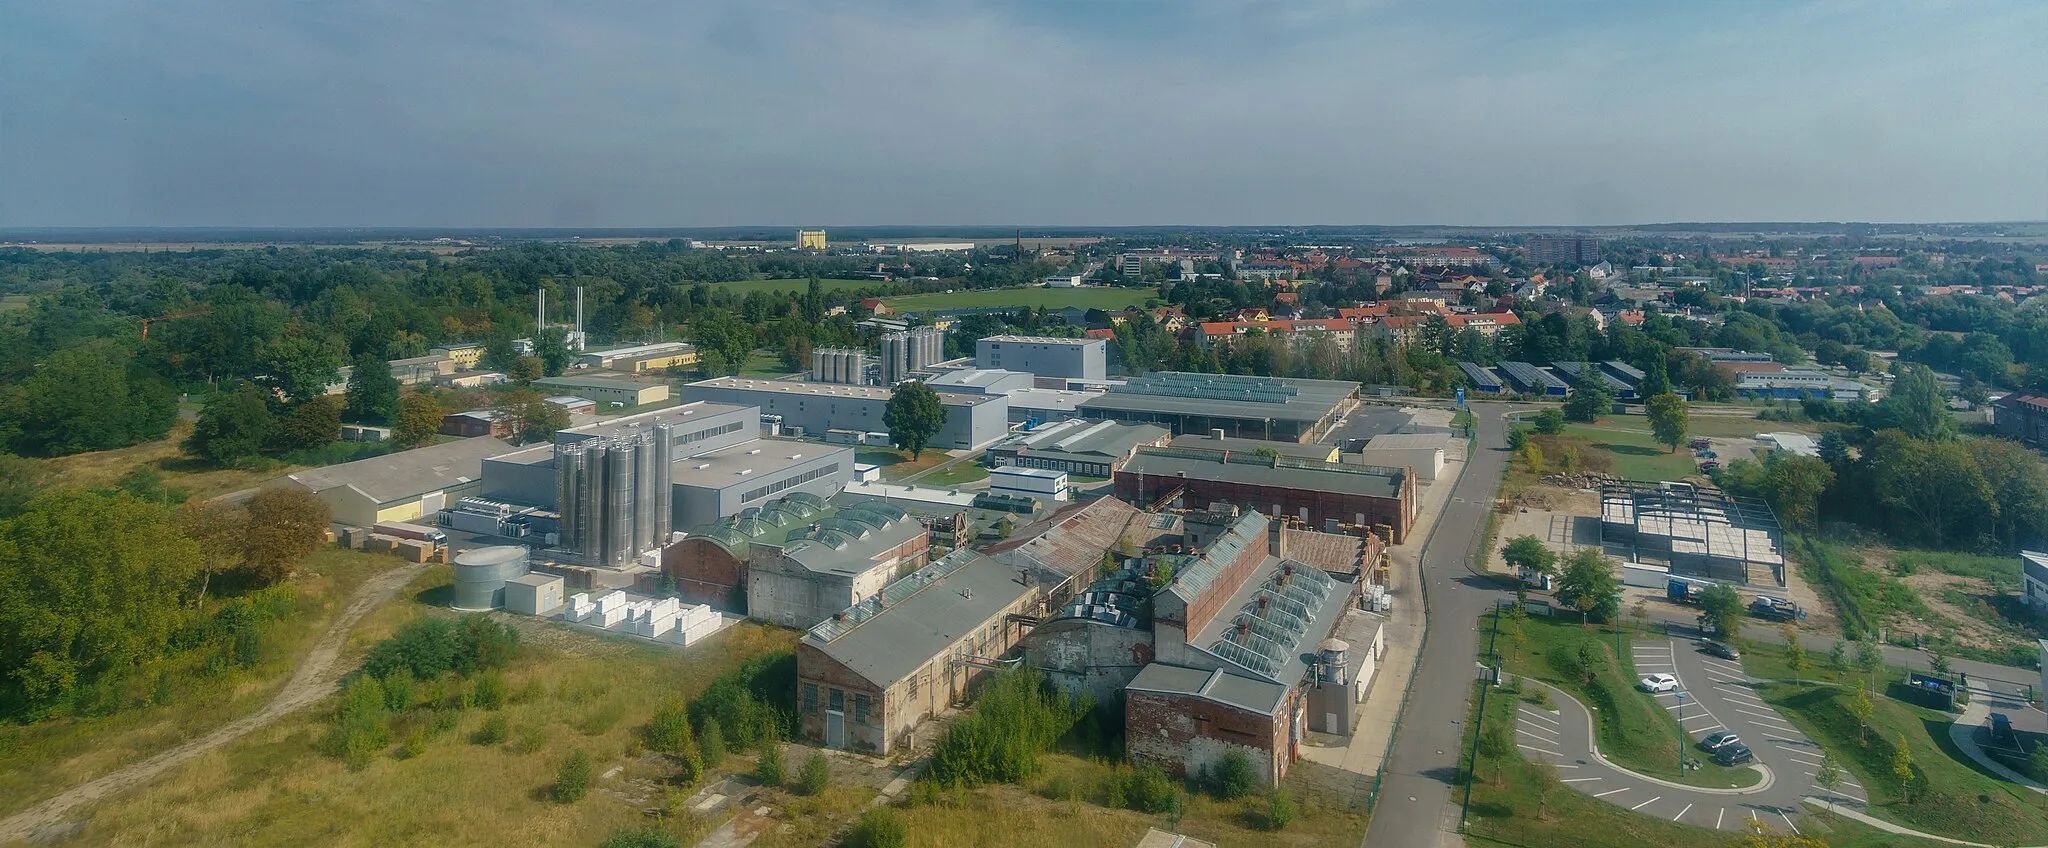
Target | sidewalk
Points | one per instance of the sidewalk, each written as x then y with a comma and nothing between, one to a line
1963,732
1367,746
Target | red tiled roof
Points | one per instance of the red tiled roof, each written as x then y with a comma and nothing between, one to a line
1101,333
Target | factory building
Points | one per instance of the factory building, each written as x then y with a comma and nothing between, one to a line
908,352
870,674
1278,409
973,421
1314,493
1092,448
839,365
399,486
716,465
1214,440
1236,652
1423,452
465,355
833,564
606,391
981,381
1073,359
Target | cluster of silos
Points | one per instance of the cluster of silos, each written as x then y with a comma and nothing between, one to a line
911,350
481,574
614,494
838,365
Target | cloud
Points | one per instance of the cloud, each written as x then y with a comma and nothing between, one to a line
524,113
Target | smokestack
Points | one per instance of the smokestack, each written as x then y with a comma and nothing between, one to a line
540,313
579,317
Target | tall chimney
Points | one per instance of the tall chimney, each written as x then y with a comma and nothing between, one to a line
540,313
579,318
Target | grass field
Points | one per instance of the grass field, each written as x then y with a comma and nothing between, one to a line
13,301
1635,454
764,363
1507,810
966,471
1061,805
568,691
102,469
743,288
1635,732
40,759
1961,802
897,464
1036,297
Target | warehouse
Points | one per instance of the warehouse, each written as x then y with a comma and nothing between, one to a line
869,675
1423,452
1316,493
1216,441
632,358
1087,448
973,421
1483,379
829,565
608,392
400,486
980,381
1529,379
1279,409
1029,482
1616,386
465,355
1073,359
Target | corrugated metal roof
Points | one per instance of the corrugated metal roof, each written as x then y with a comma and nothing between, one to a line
407,474
919,616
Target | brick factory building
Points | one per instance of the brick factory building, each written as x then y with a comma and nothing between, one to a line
1317,494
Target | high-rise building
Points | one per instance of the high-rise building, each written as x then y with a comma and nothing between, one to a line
1564,250
810,239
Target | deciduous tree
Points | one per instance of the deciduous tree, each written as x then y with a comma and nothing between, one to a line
285,524
233,426
419,418
1590,586
1721,608
310,424
1668,419
914,415
372,396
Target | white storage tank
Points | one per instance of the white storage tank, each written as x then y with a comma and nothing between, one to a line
481,573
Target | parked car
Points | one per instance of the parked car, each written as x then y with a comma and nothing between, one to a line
1733,755
1659,683
1719,739
1723,650
1700,443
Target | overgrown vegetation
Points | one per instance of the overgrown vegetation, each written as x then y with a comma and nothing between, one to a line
1017,716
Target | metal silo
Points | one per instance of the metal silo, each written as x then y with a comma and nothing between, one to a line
643,489
664,482
480,575
617,529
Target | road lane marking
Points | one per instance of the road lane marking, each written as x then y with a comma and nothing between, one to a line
1681,813
1646,803
1610,792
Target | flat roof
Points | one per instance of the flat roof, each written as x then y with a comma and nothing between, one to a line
940,604
407,474
1409,441
1259,696
620,383
1054,340
1205,441
1057,400
1077,437
1041,473
1258,471
748,462
974,377
840,390
685,414
535,578
1226,396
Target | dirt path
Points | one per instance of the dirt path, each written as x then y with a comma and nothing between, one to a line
314,680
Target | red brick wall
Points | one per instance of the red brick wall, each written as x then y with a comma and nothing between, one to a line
1321,505
706,574
1219,591
1181,733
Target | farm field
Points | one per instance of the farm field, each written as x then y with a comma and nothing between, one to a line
1036,297
797,286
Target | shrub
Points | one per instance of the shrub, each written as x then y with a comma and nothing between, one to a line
880,827
641,837
414,745
669,731
430,647
753,703
1016,717
1233,777
572,779
711,742
1149,790
1279,810
493,732
816,775
769,767
361,723
490,690
530,740
398,687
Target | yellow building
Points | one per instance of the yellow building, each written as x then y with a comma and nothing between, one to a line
465,355
810,239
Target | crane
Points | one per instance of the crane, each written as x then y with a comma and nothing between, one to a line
186,314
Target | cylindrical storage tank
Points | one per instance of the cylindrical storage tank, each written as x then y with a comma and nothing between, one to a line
643,491
664,482
1333,658
480,575
590,516
568,500
618,503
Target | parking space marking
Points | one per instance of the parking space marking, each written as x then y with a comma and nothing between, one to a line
1646,803
1729,667
1539,750
1610,792
1737,696
1538,734
1708,729
1788,822
1681,813
1578,779
1790,748
1717,817
1770,717
1526,713
1693,716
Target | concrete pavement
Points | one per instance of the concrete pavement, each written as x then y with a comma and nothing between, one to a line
1417,805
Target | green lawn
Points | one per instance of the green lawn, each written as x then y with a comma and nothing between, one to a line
764,363
962,472
743,288
1037,297
1960,802
1635,455
1635,732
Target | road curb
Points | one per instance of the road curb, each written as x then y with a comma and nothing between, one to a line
1593,742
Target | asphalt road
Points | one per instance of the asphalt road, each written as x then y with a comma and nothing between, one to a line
1684,621
1417,803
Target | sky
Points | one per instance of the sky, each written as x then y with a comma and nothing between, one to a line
656,113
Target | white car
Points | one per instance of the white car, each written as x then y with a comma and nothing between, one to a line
1659,683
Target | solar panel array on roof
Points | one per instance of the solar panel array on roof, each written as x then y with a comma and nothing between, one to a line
1530,378
1482,379
1209,386
1574,369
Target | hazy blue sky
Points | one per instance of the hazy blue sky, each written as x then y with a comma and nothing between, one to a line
664,113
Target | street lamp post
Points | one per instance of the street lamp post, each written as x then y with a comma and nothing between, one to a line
1681,736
